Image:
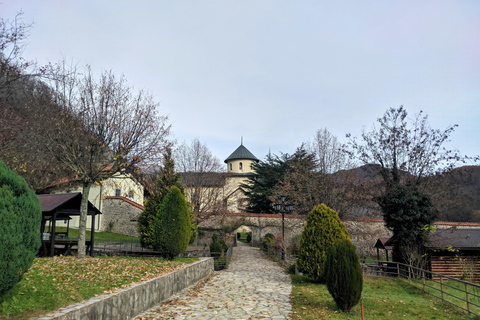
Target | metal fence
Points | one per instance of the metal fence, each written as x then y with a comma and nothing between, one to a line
462,294
222,259
286,259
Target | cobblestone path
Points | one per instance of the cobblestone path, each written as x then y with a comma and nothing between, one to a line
253,287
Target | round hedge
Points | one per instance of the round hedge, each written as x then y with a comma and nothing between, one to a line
20,219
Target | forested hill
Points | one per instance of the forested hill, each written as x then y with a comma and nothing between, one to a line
456,194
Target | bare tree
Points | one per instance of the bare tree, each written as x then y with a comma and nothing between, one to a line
204,176
102,128
329,152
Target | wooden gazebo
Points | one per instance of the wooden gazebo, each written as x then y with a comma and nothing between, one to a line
382,244
63,206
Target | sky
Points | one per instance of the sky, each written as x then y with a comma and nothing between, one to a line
275,72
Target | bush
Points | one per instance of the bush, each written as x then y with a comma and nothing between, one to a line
214,238
268,240
344,274
322,229
249,237
172,225
216,247
20,220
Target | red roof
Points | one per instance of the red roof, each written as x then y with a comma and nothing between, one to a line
139,206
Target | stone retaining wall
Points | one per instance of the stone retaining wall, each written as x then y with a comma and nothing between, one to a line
129,302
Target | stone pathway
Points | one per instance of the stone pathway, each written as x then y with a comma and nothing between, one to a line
253,287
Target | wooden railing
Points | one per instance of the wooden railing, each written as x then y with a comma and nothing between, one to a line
462,294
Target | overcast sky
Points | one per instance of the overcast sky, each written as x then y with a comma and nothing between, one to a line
275,72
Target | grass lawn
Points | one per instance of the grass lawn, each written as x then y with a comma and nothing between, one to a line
243,237
99,236
52,283
382,299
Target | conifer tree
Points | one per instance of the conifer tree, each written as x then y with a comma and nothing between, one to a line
344,274
167,178
20,218
172,227
322,229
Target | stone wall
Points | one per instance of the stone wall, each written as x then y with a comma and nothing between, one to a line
363,232
117,213
129,302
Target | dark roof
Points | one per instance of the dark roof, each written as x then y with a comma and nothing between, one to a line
68,203
457,238
381,244
204,179
466,239
241,153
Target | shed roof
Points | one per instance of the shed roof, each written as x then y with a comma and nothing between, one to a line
68,202
241,153
457,238
465,239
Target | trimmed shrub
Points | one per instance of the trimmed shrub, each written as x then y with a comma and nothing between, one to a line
20,220
172,225
249,237
322,229
216,247
344,274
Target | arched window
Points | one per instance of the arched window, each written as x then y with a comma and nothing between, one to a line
241,166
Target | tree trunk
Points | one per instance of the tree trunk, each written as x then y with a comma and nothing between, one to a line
83,221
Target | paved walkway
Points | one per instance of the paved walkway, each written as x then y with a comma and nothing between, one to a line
253,287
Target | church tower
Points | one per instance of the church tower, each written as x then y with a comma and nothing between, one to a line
241,161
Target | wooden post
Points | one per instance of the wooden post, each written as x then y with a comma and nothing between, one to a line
52,234
361,305
423,280
468,300
441,287
92,234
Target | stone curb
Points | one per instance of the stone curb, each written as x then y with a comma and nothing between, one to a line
131,301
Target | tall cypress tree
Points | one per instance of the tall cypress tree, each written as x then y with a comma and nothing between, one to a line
167,179
172,227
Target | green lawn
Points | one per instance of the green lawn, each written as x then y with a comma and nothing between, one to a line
52,283
100,236
382,299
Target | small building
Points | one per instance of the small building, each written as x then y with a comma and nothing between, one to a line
453,252
62,207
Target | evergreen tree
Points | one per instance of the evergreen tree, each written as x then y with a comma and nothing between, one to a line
172,227
322,229
167,178
20,218
407,212
407,153
259,187
344,274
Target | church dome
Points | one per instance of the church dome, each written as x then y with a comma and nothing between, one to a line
241,153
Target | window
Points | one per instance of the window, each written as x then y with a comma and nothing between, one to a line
118,192
241,166
130,194
231,167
